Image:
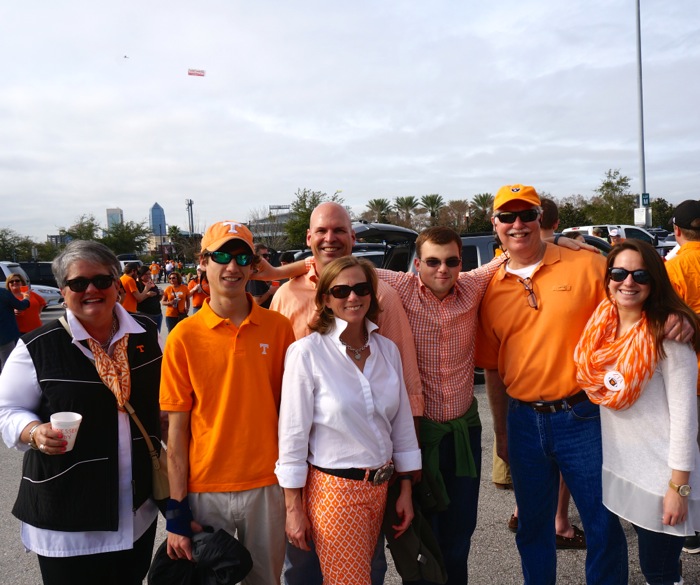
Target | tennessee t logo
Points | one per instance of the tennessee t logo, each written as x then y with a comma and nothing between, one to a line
264,347
140,348
232,226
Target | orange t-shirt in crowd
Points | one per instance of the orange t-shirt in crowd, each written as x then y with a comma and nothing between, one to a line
229,379
684,272
30,318
129,284
198,297
533,350
181,292
154,269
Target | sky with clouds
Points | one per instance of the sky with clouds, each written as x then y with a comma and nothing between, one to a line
379,98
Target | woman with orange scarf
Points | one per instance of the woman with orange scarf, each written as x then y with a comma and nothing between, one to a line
647,386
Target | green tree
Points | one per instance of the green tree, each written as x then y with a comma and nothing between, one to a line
480,213
304,203
432,205
13,246
379,210
613,203
405,207
572,212
661,212
85,228
454,215
123,238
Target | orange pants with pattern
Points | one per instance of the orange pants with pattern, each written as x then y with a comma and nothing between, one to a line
346,516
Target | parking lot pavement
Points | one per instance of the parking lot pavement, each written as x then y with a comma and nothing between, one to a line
493,560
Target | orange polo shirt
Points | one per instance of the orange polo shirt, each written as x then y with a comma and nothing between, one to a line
533,349
295,300
129,284
684,272
229,378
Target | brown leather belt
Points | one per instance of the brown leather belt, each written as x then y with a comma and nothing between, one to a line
556,405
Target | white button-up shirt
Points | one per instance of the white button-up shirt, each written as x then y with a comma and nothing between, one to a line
335,416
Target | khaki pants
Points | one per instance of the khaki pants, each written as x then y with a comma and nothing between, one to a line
256,517
501,470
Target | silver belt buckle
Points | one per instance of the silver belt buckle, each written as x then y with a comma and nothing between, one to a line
383,474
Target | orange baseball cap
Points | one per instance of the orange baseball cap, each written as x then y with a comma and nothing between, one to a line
221,232
516,193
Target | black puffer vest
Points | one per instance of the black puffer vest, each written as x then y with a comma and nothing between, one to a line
78,491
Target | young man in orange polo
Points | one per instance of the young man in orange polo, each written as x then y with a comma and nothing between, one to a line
221,382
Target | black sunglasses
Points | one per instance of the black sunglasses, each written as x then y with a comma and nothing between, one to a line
80,284
620,274
451,262
266,256
15,281
242,259
525,216
342,291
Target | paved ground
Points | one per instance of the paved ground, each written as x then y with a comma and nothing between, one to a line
493,559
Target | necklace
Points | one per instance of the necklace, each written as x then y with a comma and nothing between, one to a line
358,350
112,333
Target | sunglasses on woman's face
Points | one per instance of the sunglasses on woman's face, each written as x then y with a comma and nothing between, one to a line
342,291
525,216
242,259
80,284
15,281
620,274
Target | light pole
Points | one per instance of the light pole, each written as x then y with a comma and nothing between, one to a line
643,196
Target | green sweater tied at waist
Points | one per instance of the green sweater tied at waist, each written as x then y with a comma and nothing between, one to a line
431,433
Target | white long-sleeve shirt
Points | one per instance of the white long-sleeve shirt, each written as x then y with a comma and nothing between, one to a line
335,416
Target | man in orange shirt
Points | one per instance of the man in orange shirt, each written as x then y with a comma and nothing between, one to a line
684,271
531,318
132,296
221,384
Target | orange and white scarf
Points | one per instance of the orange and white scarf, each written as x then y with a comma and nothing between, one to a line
114,371
614,372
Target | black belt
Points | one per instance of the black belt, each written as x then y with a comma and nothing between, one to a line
352,473
376,476
556,405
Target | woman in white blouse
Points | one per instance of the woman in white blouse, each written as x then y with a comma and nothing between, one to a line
345,426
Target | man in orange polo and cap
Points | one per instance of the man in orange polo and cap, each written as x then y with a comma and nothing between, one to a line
530,320
221,383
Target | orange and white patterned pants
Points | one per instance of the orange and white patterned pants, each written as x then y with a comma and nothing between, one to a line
346,516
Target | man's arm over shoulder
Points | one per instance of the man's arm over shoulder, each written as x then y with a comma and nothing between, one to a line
394,325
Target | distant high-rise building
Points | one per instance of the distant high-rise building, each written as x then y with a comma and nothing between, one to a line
156,219
115,216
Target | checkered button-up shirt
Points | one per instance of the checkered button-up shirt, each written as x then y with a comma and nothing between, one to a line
444,333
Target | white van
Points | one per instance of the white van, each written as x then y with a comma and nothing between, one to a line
626,231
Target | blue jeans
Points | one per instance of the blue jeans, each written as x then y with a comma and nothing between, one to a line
454,527
659,556
540,445
303,568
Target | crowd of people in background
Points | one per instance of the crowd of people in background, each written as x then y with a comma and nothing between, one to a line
308,408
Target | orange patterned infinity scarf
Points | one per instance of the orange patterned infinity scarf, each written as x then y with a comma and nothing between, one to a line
613,372
114,371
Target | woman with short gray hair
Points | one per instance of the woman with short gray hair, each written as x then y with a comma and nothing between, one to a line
87,512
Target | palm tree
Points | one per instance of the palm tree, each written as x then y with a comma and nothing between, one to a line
481,208
379,209
405,206
433,204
